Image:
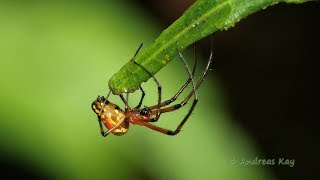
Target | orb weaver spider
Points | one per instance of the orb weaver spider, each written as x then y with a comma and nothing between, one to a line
117,121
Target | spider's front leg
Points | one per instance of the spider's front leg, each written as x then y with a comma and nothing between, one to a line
103,133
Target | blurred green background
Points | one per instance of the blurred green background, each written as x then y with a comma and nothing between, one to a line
57,56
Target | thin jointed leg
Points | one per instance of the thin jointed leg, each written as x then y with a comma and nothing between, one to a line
177,106
159,89
125,101
141,100
190,79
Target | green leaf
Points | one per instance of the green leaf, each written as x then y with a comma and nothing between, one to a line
203,18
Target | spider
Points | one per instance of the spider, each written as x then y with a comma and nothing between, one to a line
117,121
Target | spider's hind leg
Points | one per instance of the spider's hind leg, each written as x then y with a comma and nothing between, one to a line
190,79
177,106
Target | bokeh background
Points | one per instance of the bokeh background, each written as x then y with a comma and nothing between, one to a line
259,101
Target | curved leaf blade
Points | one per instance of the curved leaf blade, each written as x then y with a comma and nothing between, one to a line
203,18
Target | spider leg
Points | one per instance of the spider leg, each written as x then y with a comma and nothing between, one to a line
143,93
158,107
157,128
141,100
101,129
135,54
190,79
184,102
125,101
100,123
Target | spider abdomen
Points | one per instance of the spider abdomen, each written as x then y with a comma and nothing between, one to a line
110,115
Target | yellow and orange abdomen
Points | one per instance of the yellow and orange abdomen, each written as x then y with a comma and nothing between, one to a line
110,115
